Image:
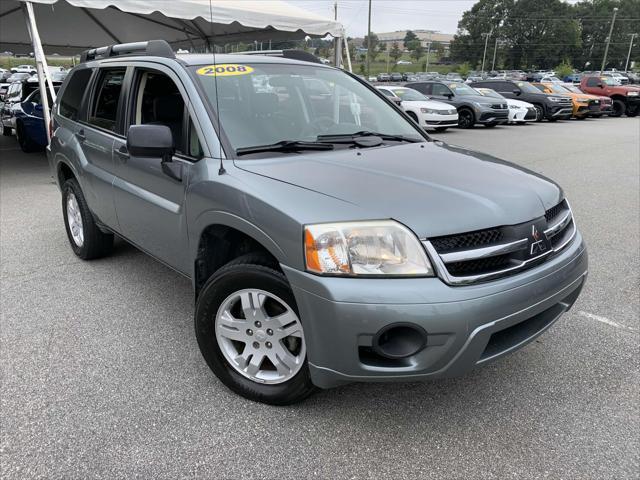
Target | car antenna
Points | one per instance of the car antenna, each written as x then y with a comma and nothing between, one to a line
221,170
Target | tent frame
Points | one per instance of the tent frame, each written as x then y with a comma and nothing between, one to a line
44,75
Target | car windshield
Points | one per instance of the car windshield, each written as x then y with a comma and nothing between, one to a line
557,88
266,103
612,82
527,87
462,89
408,94
487,92
573,88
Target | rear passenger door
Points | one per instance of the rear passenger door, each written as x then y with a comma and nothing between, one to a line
101,126
151,204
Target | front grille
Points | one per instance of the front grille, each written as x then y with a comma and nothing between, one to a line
467,240
498,106
485,255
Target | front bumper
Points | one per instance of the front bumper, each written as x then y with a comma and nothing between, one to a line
466,325
493,116
437,121
561,112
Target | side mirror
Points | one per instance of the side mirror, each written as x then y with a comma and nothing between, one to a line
449,96
397,101
599,85
516,92
150,141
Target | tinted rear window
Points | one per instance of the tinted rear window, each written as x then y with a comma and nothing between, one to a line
73,93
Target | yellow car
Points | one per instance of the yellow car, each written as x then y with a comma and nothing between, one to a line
583,104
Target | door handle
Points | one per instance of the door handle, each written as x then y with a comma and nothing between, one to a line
81,136
123,153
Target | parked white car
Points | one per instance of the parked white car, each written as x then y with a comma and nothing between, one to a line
519,111
403,62
31,69
427,113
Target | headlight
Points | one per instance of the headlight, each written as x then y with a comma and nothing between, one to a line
632,94
482,104
583,100
364,248
430,110
514,107
556,99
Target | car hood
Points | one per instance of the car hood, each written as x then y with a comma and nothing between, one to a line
519,103
433,188
428,104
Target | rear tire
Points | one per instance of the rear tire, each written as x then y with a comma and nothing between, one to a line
26,144
217,305
86,239
619,108
466,118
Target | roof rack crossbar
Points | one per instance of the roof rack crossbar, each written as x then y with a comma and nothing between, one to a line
292,54
155,48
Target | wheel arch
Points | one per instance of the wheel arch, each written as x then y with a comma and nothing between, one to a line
64,171
223,237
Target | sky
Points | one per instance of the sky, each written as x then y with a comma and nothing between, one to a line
390,15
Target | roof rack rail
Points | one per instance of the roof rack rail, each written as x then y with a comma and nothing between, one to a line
293,54
155,48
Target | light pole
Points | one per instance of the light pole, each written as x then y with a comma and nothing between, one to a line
626,65
486,42
426,67
369,43
606,48
495,50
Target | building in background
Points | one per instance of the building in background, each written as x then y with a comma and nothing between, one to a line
425,36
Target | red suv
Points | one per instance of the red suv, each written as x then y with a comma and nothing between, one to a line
625,98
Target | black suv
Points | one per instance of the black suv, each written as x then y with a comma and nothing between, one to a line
471,105
550,106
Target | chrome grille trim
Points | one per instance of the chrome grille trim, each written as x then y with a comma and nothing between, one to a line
561,224
484,252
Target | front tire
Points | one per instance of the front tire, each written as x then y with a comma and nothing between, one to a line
6,131
633,111
619,108
539,113
86,239
250,334
466,118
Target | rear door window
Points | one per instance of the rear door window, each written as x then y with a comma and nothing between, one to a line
74,91
104,109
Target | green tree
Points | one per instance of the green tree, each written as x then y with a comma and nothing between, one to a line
395,52
563,69
595,20
437,47
374,43
408,38
417,52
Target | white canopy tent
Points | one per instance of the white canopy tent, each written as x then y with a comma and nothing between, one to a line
71,26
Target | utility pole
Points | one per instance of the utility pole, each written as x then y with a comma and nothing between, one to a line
486,42
369,43
606,48
495,50
626,65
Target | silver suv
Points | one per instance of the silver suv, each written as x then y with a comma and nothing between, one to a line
329,240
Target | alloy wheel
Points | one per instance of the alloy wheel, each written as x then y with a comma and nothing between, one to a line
260,336
74,218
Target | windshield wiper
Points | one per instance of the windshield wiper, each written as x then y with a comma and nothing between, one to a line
284,146
352,137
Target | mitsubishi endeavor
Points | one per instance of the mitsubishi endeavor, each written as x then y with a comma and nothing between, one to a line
328,238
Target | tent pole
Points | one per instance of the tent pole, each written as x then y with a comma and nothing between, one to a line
346,50
41,65
338,52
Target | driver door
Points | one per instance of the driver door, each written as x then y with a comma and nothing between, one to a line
150,202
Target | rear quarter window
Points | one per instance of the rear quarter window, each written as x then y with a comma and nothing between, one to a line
71,99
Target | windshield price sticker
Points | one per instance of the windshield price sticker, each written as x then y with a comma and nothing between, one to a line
224,70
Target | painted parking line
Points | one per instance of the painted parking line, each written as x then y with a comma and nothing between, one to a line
605,320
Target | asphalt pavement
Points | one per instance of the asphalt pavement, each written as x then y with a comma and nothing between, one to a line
101,376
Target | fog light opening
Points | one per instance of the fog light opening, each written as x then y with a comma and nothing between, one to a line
399,340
